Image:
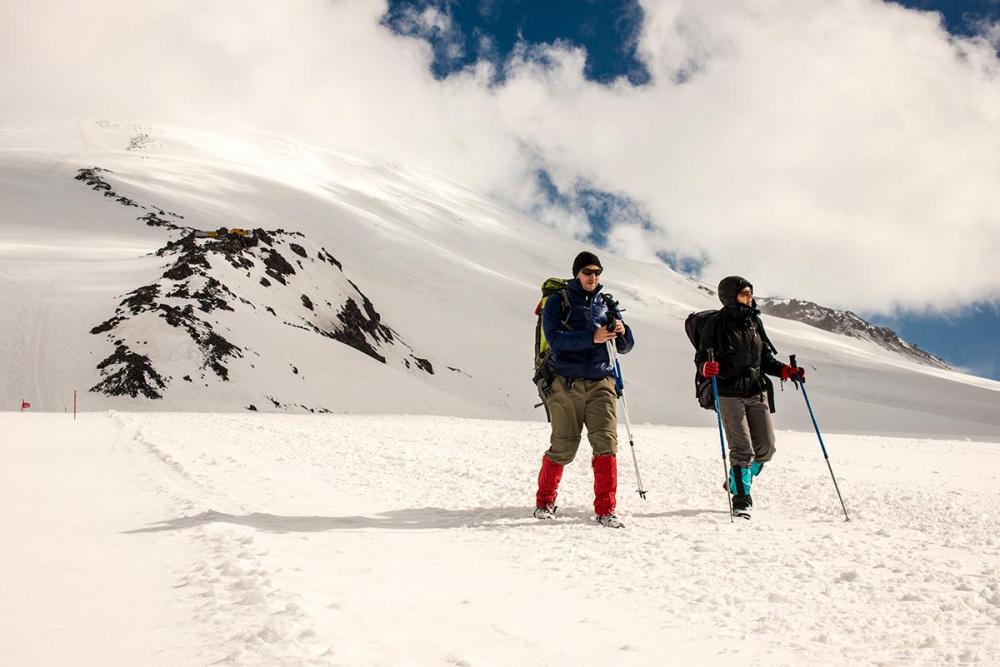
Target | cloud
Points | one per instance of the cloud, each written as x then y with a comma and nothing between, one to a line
843,151
434,25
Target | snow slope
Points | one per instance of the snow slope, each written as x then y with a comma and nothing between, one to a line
269,539
452,273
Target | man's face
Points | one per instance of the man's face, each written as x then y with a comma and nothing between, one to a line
590,277
745,296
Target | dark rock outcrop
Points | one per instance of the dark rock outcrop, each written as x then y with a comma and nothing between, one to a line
192,287
128,373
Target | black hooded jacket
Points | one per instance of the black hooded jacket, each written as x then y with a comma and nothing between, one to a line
741,346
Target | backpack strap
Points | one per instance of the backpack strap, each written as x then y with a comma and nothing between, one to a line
567,309
763,335
720,332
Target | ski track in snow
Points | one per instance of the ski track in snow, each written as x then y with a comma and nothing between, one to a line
407,540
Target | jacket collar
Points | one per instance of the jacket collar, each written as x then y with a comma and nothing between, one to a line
741,313
575,287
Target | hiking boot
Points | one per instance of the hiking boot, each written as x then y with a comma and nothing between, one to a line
742,505
545,511
609,520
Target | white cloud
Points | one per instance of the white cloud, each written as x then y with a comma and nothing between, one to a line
840,150
430,22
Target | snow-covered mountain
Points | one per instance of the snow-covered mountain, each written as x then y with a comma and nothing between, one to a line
846,323
354,284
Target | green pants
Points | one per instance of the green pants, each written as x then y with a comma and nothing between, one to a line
585,402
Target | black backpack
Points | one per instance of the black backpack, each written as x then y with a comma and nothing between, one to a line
694,325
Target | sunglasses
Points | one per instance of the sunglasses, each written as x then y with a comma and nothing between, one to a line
747,291
591,272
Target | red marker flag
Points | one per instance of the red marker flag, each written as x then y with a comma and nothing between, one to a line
25,405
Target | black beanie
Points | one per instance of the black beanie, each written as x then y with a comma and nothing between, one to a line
729,287
585,259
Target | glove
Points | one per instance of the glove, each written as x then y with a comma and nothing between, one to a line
793,373
710,369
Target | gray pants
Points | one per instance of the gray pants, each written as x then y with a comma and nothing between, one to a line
748,428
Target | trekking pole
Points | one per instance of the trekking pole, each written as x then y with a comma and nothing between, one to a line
619,385
819,435
722,439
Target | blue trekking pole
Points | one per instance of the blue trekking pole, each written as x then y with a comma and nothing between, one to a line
722,439
819,435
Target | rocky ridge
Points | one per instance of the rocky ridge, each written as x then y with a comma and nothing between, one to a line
273,274
846,323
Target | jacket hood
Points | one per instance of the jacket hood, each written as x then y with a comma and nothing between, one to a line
729,287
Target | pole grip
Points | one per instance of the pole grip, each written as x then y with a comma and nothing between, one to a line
796,380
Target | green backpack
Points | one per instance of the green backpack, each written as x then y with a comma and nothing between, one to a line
543,375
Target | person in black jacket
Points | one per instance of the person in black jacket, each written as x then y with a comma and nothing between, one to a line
743,358
583,388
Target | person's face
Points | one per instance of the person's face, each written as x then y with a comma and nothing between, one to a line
745,297
590,277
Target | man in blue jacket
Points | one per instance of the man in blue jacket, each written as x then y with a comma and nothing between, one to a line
583,388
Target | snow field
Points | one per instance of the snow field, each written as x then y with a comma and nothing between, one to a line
354,540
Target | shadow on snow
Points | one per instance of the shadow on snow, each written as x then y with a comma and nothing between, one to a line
424,518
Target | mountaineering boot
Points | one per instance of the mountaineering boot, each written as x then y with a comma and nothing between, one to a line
609,521
548,485
545,512
742,505
605,484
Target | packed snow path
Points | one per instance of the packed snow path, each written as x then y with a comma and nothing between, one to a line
166,539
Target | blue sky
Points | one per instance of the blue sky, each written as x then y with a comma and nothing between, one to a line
961,17
608,30
967,340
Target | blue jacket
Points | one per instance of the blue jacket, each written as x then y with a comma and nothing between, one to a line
574,353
